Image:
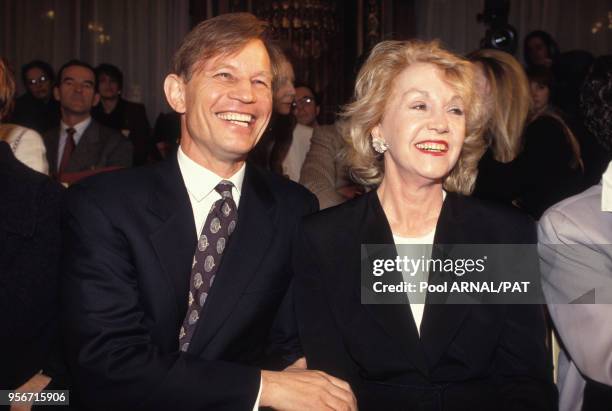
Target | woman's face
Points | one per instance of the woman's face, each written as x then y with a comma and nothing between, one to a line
540,95
284,93
423,125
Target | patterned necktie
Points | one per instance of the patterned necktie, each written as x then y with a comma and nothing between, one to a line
68,149
217,229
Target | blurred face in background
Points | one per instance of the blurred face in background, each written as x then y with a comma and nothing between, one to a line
38,83
108,87
305,108
284,93
537,50
540,95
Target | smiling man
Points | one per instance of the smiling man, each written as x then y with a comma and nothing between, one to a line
174,273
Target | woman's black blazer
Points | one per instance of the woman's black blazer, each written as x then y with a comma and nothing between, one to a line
468,357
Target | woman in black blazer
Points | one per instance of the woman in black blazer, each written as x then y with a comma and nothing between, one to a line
414,135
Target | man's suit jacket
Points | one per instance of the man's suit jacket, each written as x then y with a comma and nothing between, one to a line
99,147
29,268
468,357
575,239
130,240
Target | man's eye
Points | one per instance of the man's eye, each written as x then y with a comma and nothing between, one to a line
261,82
224,76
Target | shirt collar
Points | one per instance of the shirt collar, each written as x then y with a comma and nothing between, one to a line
79,127
606,189
200,181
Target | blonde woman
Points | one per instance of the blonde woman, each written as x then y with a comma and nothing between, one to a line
502,82
26,144
414,131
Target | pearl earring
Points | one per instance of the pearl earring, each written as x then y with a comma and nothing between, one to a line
379,145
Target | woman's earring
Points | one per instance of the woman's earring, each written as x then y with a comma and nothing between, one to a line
380,146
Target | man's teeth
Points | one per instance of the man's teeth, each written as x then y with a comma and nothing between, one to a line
239,119
431,146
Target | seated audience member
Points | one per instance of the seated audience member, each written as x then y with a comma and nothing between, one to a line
324,171
36,108
306,106
26,144
415,132
539,49
575,238
29,268
273,145
550,163
174,274
115,112
503,84
80,144
167,133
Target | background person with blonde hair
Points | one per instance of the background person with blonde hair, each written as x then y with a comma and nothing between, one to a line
502,82
414,131
27,145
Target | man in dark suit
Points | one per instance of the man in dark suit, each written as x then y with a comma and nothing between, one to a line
173,274
80,143
115,112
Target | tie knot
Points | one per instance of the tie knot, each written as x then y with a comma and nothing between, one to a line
70,131
225,189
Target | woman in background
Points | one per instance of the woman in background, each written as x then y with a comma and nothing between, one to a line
27,145
550,164
502,82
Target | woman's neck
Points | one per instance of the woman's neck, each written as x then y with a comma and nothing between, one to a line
412,209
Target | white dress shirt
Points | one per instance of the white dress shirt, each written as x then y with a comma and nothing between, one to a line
79,128
200,183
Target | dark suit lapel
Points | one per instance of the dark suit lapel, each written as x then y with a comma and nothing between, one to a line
442,321
246,248
396,319
84,156
174,240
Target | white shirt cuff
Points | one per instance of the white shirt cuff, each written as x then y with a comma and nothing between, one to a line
256,406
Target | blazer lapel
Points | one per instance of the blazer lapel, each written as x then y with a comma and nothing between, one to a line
175,239
246,248
396,319
442,321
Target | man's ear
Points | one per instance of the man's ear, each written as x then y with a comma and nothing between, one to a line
174,88
317,110
56,93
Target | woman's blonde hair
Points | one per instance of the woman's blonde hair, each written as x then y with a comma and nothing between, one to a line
509,103
7,89
372,91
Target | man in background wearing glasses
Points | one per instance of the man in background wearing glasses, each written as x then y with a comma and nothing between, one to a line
36,108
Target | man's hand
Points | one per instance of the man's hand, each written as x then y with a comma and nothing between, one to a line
299,389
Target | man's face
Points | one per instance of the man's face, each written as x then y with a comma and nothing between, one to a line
38,83
305,109
76,92
226,104
108,87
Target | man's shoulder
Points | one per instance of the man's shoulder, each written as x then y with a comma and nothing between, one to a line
577,214
107,133
119,186
282,189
